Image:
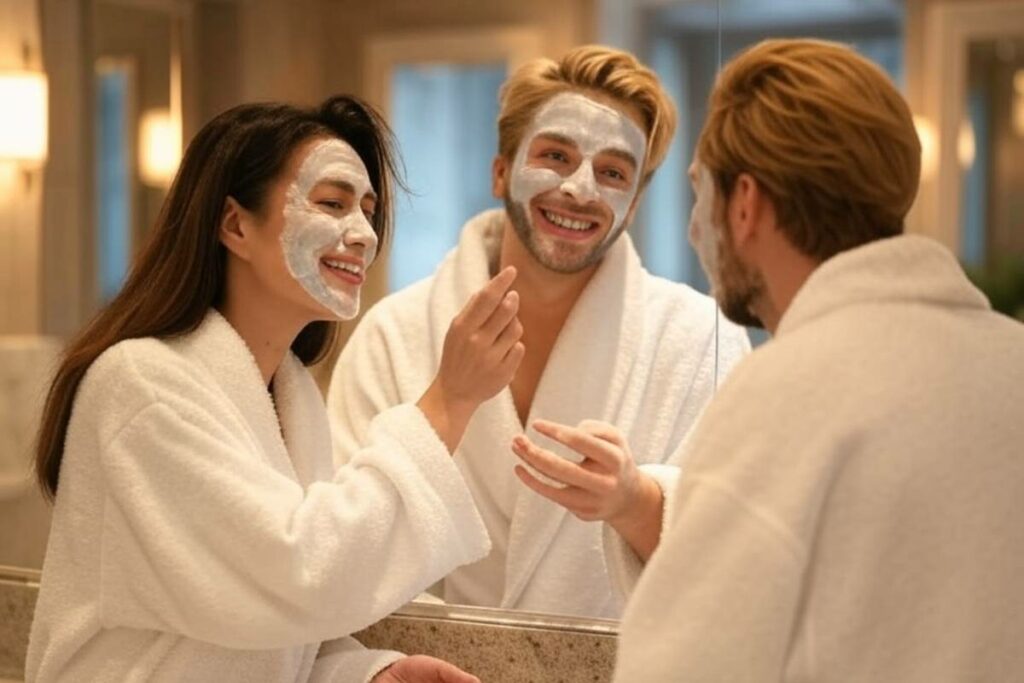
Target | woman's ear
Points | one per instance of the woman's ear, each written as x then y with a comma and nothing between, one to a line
233,231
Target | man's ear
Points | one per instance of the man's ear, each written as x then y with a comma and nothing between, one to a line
233,230
745,210
499,177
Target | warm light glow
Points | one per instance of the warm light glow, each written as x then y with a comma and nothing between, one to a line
965,145
929,147
23,116
1018,114
159,147
1018,82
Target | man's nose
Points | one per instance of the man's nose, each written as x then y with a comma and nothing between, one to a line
581,185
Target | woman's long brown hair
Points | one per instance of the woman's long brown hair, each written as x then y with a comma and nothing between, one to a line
179,274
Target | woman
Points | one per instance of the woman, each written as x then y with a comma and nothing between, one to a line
200,531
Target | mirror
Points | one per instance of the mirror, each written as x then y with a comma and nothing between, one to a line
435,69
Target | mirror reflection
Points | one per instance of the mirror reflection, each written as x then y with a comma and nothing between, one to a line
515,154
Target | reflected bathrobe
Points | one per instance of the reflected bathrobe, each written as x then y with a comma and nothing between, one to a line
851,510
636,351
201,535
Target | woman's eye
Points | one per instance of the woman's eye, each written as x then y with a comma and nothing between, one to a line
615,174
332,204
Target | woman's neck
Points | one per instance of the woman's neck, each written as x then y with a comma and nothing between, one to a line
267,330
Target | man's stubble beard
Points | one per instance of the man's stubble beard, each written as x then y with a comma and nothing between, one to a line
571,262
737,287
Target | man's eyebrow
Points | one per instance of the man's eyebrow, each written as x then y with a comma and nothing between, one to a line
346,186
622,154
558,137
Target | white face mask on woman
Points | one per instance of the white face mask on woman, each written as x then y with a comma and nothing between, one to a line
318,238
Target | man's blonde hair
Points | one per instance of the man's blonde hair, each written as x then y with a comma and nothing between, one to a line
826,135
596,69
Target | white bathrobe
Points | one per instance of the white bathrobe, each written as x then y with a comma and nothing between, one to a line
197,536
637,351
851,510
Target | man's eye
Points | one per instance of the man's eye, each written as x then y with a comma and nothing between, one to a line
555,155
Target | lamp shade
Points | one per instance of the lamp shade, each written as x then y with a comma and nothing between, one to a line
23,116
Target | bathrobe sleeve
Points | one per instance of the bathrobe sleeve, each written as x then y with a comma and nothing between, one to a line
363,385
203,537
718,599
623,564
345,660
720,596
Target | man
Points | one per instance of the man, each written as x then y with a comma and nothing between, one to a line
578,141
851,505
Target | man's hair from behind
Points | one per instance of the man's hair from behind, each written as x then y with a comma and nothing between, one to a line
595,69
826,135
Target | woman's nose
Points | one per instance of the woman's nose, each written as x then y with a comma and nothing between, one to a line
359,233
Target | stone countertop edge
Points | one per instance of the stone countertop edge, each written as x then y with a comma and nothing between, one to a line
491,644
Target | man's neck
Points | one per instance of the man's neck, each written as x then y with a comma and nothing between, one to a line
785,271
545,300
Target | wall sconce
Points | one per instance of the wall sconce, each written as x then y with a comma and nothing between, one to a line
23,126
1018,103
159,147
23,117
929,147
965,145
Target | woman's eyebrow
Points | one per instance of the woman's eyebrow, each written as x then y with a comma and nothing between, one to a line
346,186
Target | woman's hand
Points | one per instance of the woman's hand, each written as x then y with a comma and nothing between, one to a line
605,486
423,669
481,354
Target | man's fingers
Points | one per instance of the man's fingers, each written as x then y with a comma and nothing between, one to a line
559,469
570,498
484,303
603,431
514,356
588,445
508,334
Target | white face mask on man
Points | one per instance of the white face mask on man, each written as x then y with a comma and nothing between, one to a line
593,128
574,179
316,242
704,237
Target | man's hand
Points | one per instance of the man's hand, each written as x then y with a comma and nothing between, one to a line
423,669
605,486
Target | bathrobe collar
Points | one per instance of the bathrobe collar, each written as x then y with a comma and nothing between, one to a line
903,269
286,425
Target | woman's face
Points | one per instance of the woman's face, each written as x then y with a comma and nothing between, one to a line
316,240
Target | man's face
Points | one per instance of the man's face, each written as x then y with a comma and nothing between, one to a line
574,180
734,285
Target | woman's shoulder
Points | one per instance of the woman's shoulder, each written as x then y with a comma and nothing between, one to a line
138,368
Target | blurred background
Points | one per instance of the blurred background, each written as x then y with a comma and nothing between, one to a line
97,98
